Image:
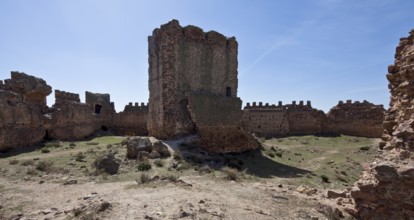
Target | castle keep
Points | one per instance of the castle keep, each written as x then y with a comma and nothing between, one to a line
193,87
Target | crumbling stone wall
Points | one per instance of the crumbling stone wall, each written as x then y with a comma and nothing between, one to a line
132,121
182,61
22,101
218,122
386,189
356,119
25,119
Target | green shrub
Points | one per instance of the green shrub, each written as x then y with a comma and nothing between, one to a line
279,154
45,166
13,162
159,163
144,166
80,157
92,143
271,154
365,148
54,144
325,178
45,150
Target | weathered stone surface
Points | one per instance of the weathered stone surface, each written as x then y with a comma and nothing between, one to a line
137,145
385,190
25,119
218,122
357,119
277,120
181,61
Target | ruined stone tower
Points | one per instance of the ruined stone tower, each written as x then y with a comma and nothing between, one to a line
184,60
187,65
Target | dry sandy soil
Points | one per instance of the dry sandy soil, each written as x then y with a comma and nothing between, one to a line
196,191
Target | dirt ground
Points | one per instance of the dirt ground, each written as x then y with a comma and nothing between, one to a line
197,190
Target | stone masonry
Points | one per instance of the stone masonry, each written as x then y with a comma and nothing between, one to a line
188,69
386,189
25,119
184,60
357,119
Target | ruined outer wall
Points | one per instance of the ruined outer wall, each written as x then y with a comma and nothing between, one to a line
277,120
218,121
356,119
304,120
62,96
184,60
265,120
21,121
132,121
386,189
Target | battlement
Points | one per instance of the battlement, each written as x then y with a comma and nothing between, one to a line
66,96
2,86
279,106
357,104
136,108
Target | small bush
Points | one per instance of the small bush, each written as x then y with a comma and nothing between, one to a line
54,144
325,178
45,150
13,162
279,154
72,144
172,178
159,163
271,154
45,166
80,157
143,178
232,174
144,166
27,163
365,148
92,143
31,172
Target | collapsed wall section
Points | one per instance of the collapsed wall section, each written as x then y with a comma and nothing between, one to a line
386,189
185,60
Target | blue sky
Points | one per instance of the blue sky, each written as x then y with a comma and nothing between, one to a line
318,50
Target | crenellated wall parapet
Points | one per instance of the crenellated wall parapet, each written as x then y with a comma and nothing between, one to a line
136,107
279,106
61,96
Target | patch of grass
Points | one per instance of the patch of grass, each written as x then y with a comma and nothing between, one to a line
45,150
144,166
13,162
365,148
325,178
159,163
27,163
92,143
